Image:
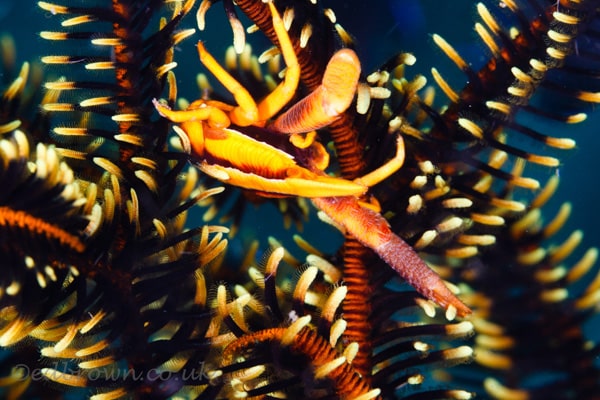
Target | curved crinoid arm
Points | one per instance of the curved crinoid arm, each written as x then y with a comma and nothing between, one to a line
537,60
531,305
260,353
45,218
42,206
96,318
22,217
325,361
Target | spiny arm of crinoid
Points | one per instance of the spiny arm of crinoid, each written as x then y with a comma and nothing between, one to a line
19,220
373,231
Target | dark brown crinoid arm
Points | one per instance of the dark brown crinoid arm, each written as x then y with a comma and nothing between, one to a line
97,271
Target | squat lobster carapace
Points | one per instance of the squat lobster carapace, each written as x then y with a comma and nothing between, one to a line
231,156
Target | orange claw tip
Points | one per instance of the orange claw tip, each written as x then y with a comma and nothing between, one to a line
442,296
433,287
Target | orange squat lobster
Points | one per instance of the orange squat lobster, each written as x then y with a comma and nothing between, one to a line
232,157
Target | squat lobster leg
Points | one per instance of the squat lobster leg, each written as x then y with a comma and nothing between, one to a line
248,112
373,231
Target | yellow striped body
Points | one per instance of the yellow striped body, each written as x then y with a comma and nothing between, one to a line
258,166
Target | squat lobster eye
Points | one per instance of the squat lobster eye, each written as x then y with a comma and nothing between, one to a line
240,160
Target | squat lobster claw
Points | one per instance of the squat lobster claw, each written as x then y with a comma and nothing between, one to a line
235,158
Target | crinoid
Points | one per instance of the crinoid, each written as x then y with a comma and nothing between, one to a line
108,290
102,289
479,152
